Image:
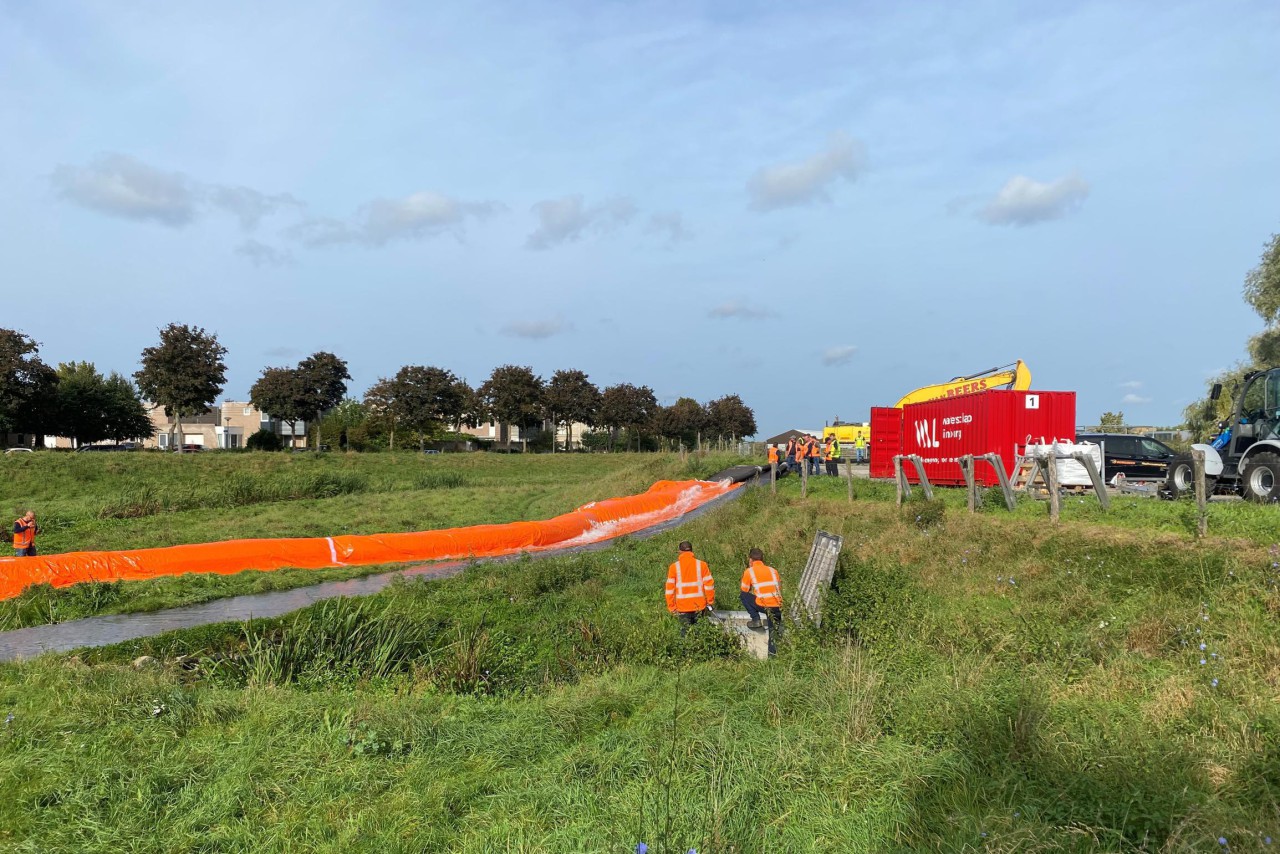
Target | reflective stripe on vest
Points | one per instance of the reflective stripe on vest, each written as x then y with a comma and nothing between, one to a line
23,538
689,589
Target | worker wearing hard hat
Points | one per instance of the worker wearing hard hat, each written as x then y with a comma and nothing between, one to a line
690,588
762,596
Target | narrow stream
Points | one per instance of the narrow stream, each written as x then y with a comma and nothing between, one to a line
117,628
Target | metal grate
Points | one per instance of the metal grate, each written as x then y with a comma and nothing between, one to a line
817,575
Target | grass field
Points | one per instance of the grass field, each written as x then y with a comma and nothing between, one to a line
985,683
89,502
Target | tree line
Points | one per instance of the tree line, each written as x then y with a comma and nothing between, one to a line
185,372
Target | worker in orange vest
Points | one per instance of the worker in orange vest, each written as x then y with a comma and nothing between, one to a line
762,596
774,456
690,588
24,534
813,453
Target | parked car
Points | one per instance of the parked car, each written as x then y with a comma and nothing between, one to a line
17,451
1136,457
84,448
188,449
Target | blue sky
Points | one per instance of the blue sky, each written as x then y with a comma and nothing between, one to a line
816,206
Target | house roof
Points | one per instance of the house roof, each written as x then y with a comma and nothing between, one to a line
783,438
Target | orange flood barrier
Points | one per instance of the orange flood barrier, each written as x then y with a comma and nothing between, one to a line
600,520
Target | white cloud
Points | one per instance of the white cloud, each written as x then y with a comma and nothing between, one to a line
123,186
669,225
1135,398
536,329
421,214
119,185
1022,201
739,310
835,356
566,219
809,180
1131,384
248,205
263,255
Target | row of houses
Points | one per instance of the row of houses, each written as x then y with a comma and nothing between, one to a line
229,425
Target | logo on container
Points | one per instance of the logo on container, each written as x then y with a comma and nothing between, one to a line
927,435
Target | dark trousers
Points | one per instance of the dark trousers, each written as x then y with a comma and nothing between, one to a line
813,466
833,467
772,616
29,551
687,619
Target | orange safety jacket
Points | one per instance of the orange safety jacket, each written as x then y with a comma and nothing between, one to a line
763,581
826,450
814,450
24,534
773,454
690,586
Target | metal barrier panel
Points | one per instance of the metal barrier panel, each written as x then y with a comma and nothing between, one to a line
816,578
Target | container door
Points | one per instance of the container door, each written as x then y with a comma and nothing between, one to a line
886,439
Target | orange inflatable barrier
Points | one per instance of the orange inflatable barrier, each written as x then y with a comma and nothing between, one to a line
600,520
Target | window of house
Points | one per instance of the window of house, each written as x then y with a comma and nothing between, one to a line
164,440
248,410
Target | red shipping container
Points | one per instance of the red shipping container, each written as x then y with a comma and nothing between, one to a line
886,439
997,422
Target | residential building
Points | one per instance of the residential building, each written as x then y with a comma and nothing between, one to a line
226,426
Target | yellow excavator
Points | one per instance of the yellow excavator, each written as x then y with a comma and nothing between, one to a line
1016,376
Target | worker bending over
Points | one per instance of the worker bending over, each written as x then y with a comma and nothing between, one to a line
690,588
762,596
24,534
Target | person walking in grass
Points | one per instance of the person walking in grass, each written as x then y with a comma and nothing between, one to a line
762,597
690,588
24,534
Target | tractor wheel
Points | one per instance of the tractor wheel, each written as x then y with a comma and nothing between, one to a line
1260,479
1181,480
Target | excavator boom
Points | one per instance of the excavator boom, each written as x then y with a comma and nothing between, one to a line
1016,376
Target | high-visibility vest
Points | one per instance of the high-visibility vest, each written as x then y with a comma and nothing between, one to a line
773,454
690,586
861,441
811,450
835,450
24,534
763,581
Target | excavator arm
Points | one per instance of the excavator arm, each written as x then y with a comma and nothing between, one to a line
1016,376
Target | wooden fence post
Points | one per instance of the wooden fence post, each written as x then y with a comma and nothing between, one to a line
804,478
970,483
1202,500
900,485
848,470
1050,468
773,477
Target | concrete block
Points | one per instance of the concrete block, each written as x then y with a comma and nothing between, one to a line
755,641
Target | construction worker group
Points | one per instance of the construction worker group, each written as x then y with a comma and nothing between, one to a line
806,452
691,592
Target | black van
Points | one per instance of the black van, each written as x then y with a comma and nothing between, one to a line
1136,457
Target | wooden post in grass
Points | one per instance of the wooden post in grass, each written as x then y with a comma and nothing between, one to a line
1050,468
1202,500
1095,478
900,480
848,471
773,477
804,478
970,484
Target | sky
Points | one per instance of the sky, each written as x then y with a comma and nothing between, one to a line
818,207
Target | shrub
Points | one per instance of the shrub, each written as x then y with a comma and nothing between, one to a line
264,440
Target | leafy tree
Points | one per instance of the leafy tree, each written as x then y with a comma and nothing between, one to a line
281,393
322,377
513,395
474,412
126,416
728,417
1111,421
27,386
626,406
184,373
570,397
91,407
1262,293
339,426
378,406
683,421
425,399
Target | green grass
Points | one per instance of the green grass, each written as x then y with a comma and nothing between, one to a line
89,502
982,683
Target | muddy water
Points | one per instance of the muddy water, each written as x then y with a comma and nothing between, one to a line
117,628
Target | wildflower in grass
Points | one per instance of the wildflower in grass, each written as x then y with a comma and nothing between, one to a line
641,848
8,719
1222,840
1202,646
1202,661
1214,683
